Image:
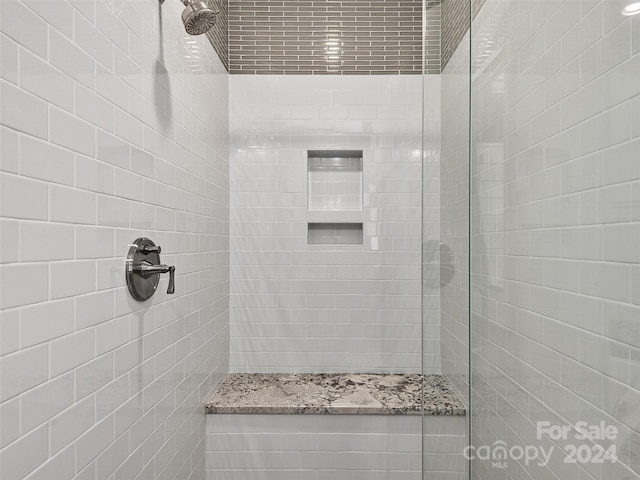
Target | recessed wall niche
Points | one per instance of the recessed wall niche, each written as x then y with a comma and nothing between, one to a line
334,197
335,234
335,180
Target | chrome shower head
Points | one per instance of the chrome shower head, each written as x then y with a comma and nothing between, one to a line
198,17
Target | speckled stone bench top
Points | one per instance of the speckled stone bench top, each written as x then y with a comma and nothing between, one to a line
334,393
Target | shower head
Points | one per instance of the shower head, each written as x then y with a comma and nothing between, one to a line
198,17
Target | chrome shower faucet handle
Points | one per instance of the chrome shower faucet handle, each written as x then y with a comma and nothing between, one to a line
147,270
143,269
147,249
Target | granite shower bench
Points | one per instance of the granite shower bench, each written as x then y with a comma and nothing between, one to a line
334,427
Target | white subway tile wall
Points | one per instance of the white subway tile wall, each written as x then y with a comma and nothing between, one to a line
113,126
344,308
554,238
328,447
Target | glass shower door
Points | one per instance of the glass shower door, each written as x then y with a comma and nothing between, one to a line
446,151
555,236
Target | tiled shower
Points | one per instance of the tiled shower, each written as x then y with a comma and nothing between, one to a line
440,191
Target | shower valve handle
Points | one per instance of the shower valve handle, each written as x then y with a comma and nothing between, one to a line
147,249
171,289
143,269
146,270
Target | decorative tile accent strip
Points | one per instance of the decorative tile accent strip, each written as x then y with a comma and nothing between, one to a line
455,23
332,36
219,34
432,37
